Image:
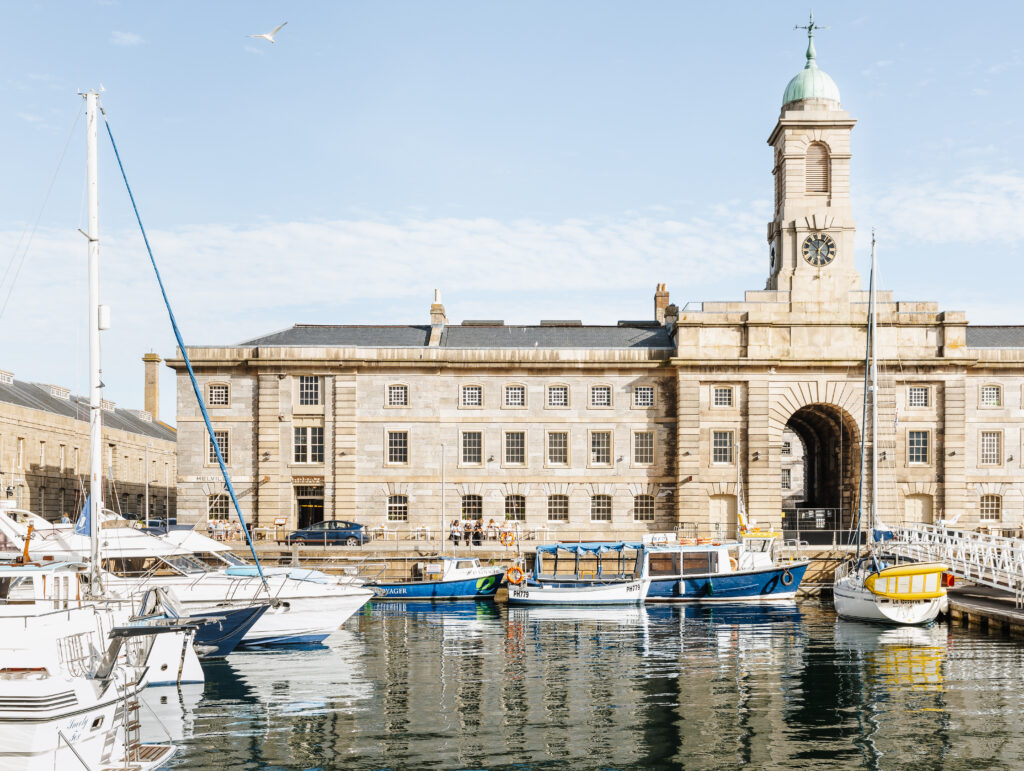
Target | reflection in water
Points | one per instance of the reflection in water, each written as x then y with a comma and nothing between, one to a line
478,685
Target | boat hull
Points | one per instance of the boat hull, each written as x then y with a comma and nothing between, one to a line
768,584
855,602
481,587
619,593
221,637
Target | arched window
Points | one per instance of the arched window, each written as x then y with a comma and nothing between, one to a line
817,168
398,508
991,508
601,508
472,506
515,507
217,506
643,508
558,508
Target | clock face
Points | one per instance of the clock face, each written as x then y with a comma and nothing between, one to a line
771,262
819,249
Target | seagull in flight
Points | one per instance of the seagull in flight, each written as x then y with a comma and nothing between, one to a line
270,35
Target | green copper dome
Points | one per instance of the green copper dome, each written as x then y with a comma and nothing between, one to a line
811,82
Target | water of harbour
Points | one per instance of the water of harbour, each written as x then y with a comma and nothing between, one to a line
483,686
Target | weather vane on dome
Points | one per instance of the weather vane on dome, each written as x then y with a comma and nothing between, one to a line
810,27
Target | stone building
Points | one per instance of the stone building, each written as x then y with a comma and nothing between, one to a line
44,450
645,425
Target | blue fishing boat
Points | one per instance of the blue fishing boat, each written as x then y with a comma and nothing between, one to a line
746,570
446,578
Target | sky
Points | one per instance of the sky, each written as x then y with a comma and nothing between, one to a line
529,158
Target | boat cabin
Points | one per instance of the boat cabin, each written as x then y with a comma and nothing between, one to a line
449,569
589,562
48,586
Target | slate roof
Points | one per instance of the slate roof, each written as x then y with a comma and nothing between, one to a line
995,337
37,396
647,336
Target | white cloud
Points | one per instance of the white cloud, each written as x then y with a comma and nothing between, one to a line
125,38
254,50
30,118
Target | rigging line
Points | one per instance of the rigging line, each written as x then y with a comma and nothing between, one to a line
188,362
35,225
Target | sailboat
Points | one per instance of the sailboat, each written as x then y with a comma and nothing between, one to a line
874,587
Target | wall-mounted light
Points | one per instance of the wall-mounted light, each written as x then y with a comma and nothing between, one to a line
490,459
882,456
266,455
620,459
1009,457
952,453
757,455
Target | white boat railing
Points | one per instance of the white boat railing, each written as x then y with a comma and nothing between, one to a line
990,560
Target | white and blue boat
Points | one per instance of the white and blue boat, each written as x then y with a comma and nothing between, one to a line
601,573
746,570
446,578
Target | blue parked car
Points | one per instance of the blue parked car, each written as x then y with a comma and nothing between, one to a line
331,531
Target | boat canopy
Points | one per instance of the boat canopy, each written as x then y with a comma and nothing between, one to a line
599,547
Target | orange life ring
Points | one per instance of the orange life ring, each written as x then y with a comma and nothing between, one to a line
507,538
514,575
734,564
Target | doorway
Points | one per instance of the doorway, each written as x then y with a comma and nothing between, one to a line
918,508
309,503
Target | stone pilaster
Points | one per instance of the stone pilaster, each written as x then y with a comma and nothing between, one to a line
951,465
273,496
764,494
344,445
691,500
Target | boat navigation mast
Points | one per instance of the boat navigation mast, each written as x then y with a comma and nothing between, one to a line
870,392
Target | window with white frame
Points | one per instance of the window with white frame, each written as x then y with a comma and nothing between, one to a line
601,396
917,447
601,508
600,448
643,396
558,508
218,506
472,506
308,444
643,508
217,395
309,390
398,508
398,396
221,438
991,448
787,479
472,396
515,448
643,448
991,508
558,396
991,396
721,446
515,507
515,396
721,396
917,396
398,447
787,448
558,448
472,448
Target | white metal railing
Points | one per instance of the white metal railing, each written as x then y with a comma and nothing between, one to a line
990,560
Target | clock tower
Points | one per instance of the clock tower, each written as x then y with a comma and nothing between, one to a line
810,237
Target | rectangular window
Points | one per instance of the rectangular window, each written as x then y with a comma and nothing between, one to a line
991,396
643,396
601,508
558,448
301,445
217,395
308,445
917,396
61,456
472,448
643,448
600,448
515,507
309,390
917,447
316,444
787,448
787,479
75,454
722,396
601,396
472,506
558,508
398,447
643,508
221,437
991,448
515,448
721,446
558,396
398,508
515,396
398,396
218,506
991,508
472,396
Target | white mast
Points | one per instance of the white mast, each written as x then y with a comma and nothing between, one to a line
443,525
874,390
95,383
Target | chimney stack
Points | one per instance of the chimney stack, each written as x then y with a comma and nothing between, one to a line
438,319
660,303
152,362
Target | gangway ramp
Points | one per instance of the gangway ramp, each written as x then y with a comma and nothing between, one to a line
989,560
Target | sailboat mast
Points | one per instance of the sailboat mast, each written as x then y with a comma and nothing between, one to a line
95,384
874,392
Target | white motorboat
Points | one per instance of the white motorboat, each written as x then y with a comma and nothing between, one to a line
582,574
874,587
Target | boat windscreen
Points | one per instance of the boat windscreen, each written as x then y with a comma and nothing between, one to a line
230,559
186,564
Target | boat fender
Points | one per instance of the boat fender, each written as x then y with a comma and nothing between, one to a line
787,577
514,575
734,564
507,538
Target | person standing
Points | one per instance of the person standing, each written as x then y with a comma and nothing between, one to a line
467,532
456,531
478,532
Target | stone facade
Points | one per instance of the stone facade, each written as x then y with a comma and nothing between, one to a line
729,383
44,453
